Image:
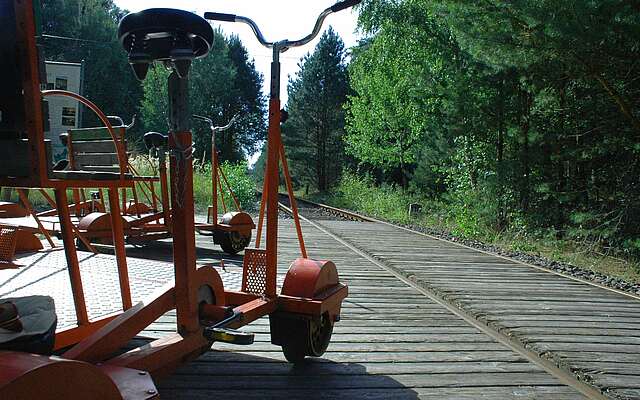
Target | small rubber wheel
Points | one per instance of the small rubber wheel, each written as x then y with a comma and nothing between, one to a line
293,353
306,338
320,332
234,242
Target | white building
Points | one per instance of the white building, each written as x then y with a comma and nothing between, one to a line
64,112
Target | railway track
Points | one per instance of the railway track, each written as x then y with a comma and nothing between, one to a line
584,334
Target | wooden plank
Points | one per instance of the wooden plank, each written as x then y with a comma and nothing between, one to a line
190,381
328,393
94,146
82,160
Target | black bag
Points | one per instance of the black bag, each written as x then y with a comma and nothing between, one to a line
37,315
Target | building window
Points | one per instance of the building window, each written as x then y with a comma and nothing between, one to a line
69,116
50,86
61,83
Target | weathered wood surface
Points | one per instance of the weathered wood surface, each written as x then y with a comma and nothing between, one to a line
589,330
392,343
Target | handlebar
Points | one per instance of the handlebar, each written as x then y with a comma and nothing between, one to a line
201,118
285,44
120,121
220,17
339,6
216,128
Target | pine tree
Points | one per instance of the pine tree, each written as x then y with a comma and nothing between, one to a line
314,130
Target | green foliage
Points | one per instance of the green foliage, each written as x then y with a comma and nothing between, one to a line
314,130
519,116
360,193
399,76
240,181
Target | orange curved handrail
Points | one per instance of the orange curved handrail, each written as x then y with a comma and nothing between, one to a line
122,161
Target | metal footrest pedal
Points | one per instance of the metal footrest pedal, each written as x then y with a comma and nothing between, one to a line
230,336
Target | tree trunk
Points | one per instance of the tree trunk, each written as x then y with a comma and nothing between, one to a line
501,217
319,159
625,108
524,156
561,181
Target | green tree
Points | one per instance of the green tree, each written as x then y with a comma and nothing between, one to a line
314,130
90,28
400,76
529,114
248,102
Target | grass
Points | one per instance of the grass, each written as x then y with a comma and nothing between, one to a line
391,204
239,179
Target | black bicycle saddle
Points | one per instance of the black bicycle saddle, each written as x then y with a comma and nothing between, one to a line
164,34
155,140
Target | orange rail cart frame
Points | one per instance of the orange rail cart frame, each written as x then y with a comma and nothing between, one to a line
233,231
301,315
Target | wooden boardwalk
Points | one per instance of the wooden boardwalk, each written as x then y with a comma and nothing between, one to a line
392,343
588,330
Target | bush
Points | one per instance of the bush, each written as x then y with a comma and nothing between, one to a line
361,194
242,184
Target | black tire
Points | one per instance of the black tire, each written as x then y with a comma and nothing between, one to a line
303,337
80,246
294,354
320,332
234,242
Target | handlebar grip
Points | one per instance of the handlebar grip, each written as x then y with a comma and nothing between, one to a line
220,17
341,5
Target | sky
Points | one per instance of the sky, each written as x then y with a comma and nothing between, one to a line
277,19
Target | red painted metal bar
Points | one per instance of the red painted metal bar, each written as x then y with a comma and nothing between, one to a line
135,200
148,185
72,258
76,201
292,200
263,203
184,258
28,60
224,204
76,231
123,193
117,232
104,206
214,181
154,201
226,182
27,204
164,194
272,195
122,158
